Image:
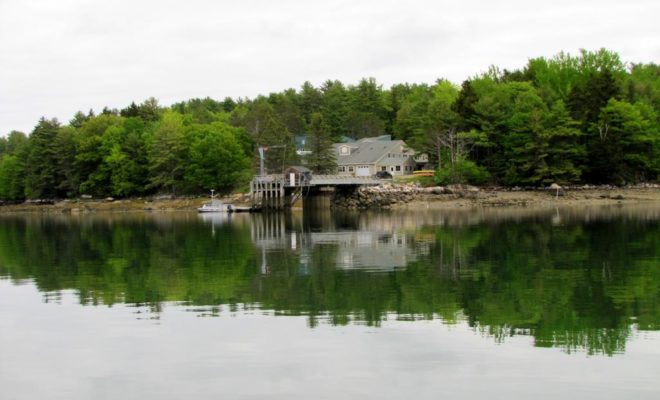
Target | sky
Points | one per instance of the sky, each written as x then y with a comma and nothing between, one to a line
58,57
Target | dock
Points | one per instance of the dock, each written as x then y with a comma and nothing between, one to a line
282,191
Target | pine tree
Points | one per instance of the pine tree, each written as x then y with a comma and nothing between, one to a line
41,178
322,160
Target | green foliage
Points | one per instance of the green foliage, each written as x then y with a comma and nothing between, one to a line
412,114
572,285
204,111
217,160
335,107
462,171
41,175
310,101
93,143
565,119
12,172
625,143
167,153
16,143
322,159
65,149
285,106
367,112
541,146
643,85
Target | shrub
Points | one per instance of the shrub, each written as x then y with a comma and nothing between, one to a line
463,171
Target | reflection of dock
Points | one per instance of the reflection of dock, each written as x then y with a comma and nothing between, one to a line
367,250
353,249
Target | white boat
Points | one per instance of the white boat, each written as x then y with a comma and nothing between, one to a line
215,206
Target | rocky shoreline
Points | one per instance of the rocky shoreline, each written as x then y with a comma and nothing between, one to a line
412,196
386,196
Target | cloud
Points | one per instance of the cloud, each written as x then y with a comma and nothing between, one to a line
58,57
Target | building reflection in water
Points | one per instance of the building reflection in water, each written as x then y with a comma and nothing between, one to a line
367,247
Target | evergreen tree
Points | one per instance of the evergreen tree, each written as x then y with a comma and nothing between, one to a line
281,149
335,108
322,159
41,178
310,101
627,144
65,150
367,112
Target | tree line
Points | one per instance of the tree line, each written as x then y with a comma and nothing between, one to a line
589,118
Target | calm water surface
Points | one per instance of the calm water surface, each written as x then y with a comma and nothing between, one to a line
466,304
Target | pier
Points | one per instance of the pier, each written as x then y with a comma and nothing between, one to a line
281,191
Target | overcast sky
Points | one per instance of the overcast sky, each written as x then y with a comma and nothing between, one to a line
57,57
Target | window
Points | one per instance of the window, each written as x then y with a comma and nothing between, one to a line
398,168
343,150
342,169
350,169
383,168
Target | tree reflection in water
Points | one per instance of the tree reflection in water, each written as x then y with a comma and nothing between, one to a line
575,279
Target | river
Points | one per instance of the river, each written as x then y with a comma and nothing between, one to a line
551,303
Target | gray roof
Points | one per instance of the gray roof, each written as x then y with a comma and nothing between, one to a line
368,150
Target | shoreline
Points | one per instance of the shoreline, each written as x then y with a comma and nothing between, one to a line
496,198
423,200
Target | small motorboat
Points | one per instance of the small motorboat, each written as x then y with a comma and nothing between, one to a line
215,206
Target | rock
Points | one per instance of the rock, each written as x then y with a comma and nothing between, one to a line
461,189
86,196
375,196
109,199
40,202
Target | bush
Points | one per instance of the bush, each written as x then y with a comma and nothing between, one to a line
463,171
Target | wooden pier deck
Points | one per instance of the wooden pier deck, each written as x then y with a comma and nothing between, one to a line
279,191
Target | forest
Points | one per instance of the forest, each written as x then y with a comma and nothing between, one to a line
568,119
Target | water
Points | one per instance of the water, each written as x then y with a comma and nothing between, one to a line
551,303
